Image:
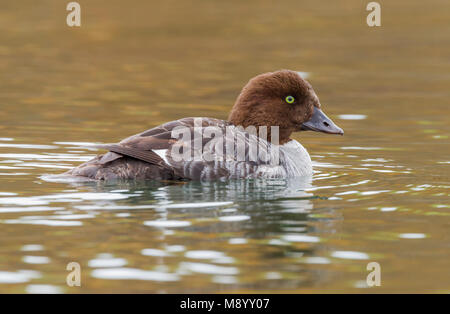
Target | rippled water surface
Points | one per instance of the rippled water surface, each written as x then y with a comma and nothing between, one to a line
379,194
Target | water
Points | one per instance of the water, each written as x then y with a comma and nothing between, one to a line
379,194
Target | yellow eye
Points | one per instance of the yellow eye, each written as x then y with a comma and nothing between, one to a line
290,99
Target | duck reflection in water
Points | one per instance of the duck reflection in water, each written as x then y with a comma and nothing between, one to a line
248,226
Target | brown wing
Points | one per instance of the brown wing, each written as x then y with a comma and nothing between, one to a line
144,155
138,155
141,146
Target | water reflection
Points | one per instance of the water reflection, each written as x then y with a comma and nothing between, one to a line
214,233
250,222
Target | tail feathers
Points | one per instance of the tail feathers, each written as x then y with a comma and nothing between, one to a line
123,167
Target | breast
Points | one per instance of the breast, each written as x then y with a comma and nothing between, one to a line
293,161
296,159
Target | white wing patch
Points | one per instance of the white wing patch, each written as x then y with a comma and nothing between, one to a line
162,153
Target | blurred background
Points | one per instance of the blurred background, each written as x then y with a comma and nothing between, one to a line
380,193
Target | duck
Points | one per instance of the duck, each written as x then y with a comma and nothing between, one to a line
254,142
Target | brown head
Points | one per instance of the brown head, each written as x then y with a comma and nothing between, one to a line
284,99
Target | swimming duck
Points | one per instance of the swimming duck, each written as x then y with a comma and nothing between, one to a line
253,143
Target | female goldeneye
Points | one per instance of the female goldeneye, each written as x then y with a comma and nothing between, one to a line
254,143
